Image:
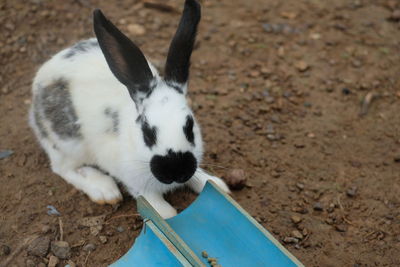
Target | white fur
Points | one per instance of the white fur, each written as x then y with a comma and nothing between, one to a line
124,155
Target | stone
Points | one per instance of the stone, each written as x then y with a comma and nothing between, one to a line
136,29
103,239
39,246
351,192
297,234
53,261
301,66
5,250
318,206
89,247
296,219
236,179
300,186
290,240
45,229
346,91
61,249
341,228
395,16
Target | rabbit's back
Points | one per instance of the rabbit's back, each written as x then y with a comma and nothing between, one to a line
78,101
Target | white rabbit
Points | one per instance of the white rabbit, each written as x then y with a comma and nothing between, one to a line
103,114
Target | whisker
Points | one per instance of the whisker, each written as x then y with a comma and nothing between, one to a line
214,165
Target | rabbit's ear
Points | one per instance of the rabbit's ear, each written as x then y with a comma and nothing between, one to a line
180,50
124,58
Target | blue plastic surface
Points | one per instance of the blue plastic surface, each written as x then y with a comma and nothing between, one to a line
214,225
151,250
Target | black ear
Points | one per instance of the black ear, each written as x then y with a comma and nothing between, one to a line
124,58
178,60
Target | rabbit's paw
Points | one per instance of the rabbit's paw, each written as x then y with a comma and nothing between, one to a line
100,188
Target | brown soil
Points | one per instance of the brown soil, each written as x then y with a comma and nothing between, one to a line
281,102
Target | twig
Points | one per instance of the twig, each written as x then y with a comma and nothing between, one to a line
87,257
340,204
366,102
369,234
61,229
79,244
347,220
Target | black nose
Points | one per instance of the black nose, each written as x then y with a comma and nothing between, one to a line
173,167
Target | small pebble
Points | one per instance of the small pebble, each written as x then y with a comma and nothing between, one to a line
45,229
89,247
300,186
341,228
397,158
356,63
290,240
395,16
275,119
318,206
297,234
53,261
5,250
120,229
236,179
60,249
103,239
210,260
299,145
352,192
296,219
301,66
204,254
39,246
136,29
311,135
5,153
346,91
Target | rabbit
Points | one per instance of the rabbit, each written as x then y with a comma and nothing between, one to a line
104,116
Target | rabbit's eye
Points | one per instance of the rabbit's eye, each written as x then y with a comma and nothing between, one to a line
149,134
188,129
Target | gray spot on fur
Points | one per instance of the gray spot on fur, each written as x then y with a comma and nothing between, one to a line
113,114
57,107
81,47
38,118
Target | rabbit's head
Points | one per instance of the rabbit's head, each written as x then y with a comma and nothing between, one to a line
171,143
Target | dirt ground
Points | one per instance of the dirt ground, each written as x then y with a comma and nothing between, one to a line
304,96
